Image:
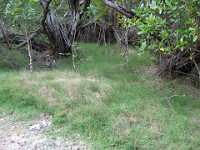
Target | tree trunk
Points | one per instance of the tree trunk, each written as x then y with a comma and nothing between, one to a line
53,29
62,35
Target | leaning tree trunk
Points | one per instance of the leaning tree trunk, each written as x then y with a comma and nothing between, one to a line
53,29
62,35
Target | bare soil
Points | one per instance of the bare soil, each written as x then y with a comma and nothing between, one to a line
29,135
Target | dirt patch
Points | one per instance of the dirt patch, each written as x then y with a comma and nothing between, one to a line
23,136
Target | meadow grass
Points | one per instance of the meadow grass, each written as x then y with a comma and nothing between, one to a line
110,102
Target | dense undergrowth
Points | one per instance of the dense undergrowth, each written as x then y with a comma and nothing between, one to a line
109,102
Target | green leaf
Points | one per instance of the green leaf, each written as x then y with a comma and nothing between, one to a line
153,5
195,38
162,49
191,57
181,40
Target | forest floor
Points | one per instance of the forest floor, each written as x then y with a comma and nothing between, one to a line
106,103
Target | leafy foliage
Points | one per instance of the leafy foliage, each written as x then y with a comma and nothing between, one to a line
20,11
168,26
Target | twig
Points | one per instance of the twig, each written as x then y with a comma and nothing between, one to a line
168,99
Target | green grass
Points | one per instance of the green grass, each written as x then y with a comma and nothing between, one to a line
109,102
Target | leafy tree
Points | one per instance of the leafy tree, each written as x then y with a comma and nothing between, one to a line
171,27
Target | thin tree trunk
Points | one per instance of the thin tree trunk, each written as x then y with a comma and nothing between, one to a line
29,49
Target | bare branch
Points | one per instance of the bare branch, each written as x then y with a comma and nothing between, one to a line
126,12
30,37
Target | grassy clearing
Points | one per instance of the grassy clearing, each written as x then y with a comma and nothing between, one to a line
110,103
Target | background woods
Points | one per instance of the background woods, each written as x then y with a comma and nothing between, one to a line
168,29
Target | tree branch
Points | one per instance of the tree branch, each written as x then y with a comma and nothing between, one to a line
124,11
30,37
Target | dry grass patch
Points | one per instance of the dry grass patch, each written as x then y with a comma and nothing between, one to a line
68,78
123,124
93,91
57,87
153,127
151,76
191,91
49,94
87,88
27,79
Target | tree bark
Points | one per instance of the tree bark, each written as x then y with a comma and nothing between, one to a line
62,35
53,29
